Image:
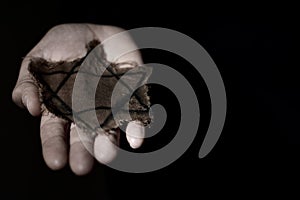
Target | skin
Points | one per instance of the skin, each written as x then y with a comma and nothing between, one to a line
67,42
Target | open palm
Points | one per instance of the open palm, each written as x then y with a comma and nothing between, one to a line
67,43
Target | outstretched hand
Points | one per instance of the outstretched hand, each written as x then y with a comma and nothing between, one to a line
68,42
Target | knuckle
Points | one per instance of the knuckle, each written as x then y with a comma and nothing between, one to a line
50,140
53,127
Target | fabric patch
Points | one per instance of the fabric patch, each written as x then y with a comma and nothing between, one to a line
56,82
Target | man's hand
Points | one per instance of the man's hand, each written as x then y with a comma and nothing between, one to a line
68,42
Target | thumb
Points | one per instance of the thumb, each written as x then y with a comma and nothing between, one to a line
25,94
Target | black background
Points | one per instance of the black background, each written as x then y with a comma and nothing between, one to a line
254,49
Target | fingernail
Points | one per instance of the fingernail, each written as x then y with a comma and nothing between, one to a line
135,130
135,142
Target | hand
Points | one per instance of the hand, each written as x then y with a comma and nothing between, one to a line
67,42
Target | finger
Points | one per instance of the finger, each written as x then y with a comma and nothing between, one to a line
135,133
124,53
54,137
81,161
26,95
105,146
126,57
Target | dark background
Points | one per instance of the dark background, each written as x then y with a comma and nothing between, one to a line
254,49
